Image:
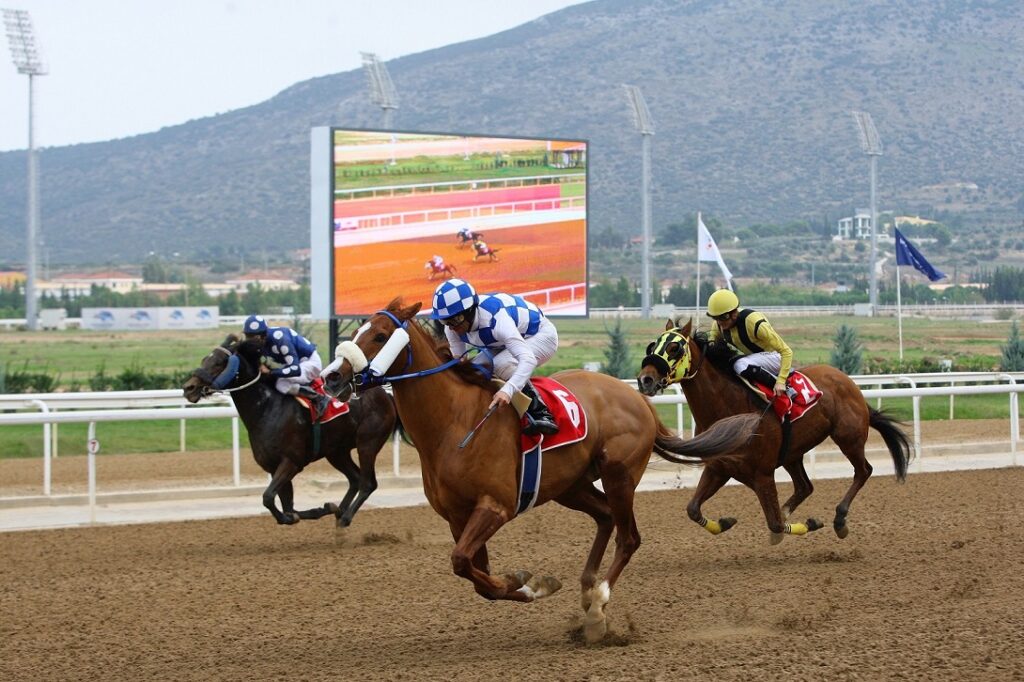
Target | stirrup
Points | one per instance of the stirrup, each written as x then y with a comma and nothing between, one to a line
318,400
543,425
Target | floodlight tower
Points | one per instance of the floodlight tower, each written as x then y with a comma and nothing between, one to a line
382,90
25,55
871,145
644,126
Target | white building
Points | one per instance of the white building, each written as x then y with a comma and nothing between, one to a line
856,227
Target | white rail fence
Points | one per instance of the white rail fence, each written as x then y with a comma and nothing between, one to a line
53,409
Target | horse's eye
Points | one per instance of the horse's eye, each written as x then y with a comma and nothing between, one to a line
381,338
674,350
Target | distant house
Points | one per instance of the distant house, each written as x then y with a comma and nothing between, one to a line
81,284
857,226
268,281
10,278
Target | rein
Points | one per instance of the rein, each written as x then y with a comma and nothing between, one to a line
368,378
219,383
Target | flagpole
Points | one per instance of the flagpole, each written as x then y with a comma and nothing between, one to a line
899,312
696,305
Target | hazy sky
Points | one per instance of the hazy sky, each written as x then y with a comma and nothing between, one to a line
124,67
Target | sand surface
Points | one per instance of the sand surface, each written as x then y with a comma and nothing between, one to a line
927,586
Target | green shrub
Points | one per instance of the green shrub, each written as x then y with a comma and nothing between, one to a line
1013,351
847,352
617,360
100,381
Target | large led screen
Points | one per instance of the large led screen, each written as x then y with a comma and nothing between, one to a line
412,209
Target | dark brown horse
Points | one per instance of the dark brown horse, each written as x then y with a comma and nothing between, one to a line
281,433
713,391
475,488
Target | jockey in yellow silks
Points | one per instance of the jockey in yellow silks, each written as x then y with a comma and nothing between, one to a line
766,359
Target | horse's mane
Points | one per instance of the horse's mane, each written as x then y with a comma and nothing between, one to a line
464,370
718,353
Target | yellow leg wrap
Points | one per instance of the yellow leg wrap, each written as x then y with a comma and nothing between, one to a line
796,528
714,528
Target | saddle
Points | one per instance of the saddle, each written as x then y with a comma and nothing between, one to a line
803,395
335,408
572,428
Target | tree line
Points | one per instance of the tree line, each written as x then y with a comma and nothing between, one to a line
256,299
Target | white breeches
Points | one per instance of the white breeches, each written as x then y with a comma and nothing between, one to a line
309,369
543,344
770,361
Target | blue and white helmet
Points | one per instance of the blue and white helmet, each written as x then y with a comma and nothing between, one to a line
452,297
255,324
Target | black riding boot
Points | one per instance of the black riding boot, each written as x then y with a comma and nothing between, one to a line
319,401
538,417
759,375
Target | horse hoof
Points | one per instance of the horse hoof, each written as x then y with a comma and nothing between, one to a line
726,522
522,578
550,584
842,531
776,538
343,521
594,630
813,525
289,518
331,508
544,587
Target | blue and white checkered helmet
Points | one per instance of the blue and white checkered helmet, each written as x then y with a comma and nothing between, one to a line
452,297
255,324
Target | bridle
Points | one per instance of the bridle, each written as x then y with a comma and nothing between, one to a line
219,383
672,370
369,373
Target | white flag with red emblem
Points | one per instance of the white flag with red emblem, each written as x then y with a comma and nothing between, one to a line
708,251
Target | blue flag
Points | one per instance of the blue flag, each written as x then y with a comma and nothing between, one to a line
906,254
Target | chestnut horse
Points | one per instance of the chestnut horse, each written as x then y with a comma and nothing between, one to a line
475,488
713,391
281,434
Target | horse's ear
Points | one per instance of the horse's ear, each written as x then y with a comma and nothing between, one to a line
687,327
395,305
230,340
410,312
669,325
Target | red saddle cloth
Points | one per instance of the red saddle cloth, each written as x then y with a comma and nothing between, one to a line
335,408
568,413
807,395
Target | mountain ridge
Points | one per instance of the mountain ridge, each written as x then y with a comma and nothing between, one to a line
750,102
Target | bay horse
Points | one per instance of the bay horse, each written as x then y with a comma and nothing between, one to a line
464,237
713,391
281,433
480,248
475,488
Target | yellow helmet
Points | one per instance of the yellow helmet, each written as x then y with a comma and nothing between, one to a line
721,302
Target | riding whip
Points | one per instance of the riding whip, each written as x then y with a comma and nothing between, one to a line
472,431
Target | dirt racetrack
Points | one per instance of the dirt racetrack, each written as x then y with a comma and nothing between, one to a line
927,586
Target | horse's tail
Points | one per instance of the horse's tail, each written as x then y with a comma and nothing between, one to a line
895,439
721,441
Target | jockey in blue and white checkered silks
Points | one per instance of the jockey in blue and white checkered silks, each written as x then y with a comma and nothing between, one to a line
513,329
288,356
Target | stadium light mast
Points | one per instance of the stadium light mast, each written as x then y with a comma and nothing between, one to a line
644,126
25,54
871,145
382,90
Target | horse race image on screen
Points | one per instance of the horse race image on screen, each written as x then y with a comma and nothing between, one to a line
412,209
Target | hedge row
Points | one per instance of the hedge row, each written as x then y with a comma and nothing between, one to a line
133,378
